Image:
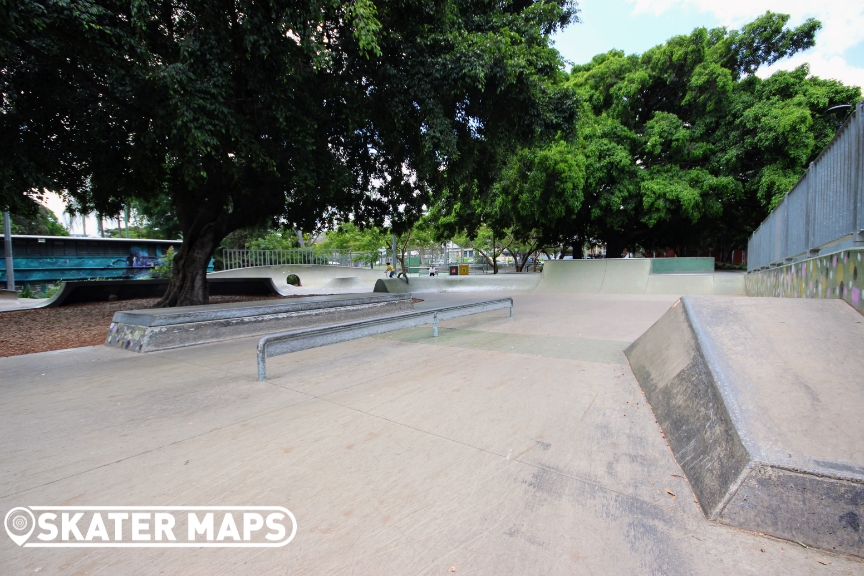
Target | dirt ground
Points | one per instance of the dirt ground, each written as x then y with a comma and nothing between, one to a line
44,329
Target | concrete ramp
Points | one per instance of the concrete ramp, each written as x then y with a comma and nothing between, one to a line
311,275
625,276
351,283
525,282
760,401
639,276
613,276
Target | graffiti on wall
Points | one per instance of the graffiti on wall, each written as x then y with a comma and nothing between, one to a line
838,275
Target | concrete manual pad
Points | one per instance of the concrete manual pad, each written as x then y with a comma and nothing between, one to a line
165,328
395,456
761,400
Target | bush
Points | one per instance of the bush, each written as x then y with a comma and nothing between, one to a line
52,290
293,279
164,265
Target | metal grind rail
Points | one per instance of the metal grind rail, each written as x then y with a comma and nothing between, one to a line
306,338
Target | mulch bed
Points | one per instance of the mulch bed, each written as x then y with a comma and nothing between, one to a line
44,329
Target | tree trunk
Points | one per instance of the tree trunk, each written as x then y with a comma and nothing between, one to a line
188,285
614,248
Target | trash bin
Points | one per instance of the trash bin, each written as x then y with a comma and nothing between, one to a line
454,270
463,269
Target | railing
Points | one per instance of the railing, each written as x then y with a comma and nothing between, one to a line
305,338
235,258
825,209
247,258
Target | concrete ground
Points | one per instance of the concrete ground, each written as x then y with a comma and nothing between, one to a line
22,304
506,446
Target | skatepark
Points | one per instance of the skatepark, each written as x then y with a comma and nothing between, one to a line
554,441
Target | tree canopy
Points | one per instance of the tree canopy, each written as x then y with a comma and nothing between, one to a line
683,144
253,111
38,222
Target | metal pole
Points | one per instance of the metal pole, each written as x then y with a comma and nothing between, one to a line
7,244
393,248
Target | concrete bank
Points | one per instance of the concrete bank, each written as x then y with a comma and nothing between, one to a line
760,400
312,277
525,282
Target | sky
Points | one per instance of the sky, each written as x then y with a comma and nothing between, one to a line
637,25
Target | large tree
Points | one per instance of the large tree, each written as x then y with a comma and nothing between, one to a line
252,111
681,139
682,145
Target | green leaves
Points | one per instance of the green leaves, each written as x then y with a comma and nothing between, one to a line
366,27
764,41
679,145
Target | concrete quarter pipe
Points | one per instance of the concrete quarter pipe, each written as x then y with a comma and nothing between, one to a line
624,276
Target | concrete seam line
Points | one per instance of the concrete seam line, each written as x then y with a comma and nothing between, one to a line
733,489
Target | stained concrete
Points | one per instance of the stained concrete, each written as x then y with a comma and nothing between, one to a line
761,401
397,456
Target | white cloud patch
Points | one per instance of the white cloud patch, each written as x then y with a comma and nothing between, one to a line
842,28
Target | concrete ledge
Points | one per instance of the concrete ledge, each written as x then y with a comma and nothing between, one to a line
10,295
162,329
760,401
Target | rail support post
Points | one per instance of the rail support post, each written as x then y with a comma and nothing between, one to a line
435,325
262,366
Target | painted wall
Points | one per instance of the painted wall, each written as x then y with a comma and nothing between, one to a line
54,258
838,275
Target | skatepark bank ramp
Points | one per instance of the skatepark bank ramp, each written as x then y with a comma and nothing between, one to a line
760,402
318,278
619,276
639,276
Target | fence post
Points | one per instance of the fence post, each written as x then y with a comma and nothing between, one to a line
858,130
811,209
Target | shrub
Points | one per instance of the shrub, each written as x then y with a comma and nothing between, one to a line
293,279
164,265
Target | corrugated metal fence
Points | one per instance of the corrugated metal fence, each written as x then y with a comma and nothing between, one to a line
825,209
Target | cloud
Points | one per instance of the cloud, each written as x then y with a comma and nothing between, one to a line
842,28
